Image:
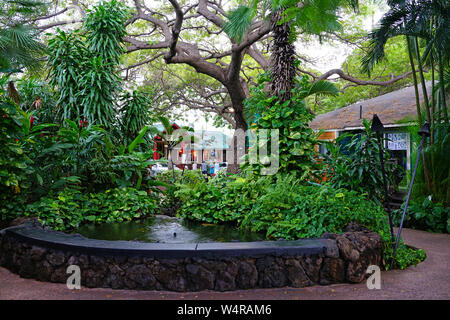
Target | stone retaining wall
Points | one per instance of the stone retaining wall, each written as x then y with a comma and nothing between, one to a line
343,258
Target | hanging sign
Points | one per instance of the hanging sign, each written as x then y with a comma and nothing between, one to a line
397,141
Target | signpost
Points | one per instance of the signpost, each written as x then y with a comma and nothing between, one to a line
423,132
378,127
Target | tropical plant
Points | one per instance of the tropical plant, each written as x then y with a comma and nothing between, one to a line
15,165
425,215
353,162
38,98
287,18
296,140
66,55
84,65
99,86
20,136
105,27
172,137
71,208
429,21
19,44
132,164
135,113
434,179
283,207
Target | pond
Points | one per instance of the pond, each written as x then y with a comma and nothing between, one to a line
165,229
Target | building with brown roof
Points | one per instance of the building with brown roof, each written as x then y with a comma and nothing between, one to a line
397,110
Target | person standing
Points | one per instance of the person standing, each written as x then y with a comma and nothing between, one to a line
211,169
204,168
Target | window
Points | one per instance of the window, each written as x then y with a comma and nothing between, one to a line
323,148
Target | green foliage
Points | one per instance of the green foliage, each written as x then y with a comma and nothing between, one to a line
38,98
170,199
84,65
15,165
69,209
135,113
291,118
99,85
19,44
105,27
405,256
13,206
132,166
426,19
436,181
279,205
66,55
356,165
436,178
312,17
425,215
239,22
283,207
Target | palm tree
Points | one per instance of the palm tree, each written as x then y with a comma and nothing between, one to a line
287,18
428,20
426,23
171,138
19,47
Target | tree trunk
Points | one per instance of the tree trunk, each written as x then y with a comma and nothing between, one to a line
282,59
416,89
441,81
422,81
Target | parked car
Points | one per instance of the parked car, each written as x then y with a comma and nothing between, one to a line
223,166
158,168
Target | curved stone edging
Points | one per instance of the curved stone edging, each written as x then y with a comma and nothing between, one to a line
33,252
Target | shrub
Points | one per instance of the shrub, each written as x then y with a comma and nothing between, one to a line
170,198
424,215
70,208
296,140
283,207
356,165
220,200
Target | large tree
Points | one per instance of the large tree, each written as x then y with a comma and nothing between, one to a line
191,33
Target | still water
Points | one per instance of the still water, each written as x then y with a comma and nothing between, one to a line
164,229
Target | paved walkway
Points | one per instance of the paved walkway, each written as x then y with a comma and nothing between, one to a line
429,280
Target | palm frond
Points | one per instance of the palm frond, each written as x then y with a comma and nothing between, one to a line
324,88
166,124
239,22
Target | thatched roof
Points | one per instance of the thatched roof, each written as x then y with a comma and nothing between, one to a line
390,108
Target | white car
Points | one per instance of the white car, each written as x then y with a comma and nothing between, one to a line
158,168
161,167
